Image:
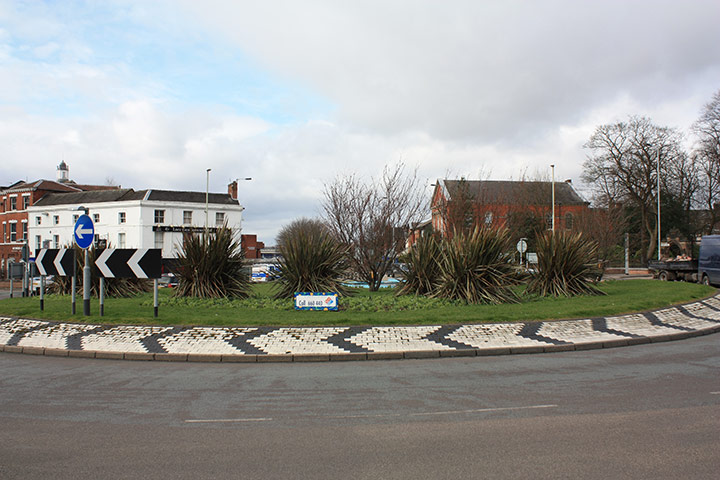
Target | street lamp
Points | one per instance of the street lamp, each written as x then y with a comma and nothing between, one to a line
207,196
658,203
553,197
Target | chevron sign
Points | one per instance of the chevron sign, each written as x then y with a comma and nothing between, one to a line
56,261
130,263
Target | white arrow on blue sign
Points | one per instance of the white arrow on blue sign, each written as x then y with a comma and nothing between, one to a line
84,231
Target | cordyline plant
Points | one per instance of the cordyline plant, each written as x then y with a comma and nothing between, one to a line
312,261
212,265
566,265
475,267
421,267
114,287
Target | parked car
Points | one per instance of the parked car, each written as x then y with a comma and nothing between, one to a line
168,280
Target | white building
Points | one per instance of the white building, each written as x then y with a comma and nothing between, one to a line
126,218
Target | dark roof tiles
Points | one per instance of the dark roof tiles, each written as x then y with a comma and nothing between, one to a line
514,192
128,194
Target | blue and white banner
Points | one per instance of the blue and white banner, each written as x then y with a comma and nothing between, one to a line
316,301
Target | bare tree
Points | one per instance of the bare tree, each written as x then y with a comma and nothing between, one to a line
623,165
371,219
707,155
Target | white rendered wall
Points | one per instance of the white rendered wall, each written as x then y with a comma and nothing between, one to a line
138,226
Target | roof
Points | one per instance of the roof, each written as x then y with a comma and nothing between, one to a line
192,197
514,192
53,186
128,194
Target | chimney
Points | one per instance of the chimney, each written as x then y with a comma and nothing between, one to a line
233,190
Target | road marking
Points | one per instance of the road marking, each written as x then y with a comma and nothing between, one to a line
229,420
380,415
714,393
445,412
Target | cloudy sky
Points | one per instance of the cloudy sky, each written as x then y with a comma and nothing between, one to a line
149,94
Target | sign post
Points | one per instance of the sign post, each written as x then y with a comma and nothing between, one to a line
132,263
84,234
59,262
522,248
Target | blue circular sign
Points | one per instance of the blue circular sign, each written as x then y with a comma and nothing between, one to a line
84,231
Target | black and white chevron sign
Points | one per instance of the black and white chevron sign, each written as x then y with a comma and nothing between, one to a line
56,261
130,263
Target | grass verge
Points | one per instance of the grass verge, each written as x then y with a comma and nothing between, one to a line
364,308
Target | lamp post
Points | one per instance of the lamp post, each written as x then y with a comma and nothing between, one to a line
207,196
658,204
553,198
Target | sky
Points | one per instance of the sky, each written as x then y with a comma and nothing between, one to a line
150,94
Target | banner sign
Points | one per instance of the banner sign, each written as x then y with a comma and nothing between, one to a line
316,301
179,229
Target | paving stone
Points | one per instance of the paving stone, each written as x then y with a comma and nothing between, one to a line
285,344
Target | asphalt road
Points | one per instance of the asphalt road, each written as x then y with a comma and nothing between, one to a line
648,411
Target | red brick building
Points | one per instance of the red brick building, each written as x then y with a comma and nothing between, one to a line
14,201
493,202
253,248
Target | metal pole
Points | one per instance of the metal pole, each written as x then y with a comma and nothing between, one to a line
658,203
627,253
11,285
102,296
42,292
207,195
553,198
155,296
87,284
74,288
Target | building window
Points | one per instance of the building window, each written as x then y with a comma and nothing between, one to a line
38,242
75,218
121,217
219,218
13,232
488,218
569,221
187,217
13,203
159,238
548,221
96,218
4,232
26,202
121,240
56,219
38,220
159,216
24,230
56,241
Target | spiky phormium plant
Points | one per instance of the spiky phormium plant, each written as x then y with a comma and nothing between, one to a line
566,265
421,267
475,267
312,261
212,265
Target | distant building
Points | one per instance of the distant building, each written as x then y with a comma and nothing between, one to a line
491,202
251,246
126,218
15,201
